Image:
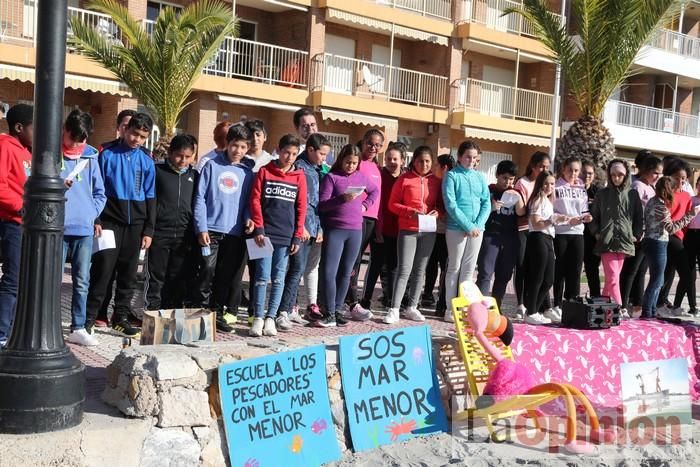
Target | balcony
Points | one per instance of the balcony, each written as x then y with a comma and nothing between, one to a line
677,43
672,52
353,77
638,126
441,9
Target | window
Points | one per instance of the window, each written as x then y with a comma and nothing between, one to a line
153,9
337,141
247,30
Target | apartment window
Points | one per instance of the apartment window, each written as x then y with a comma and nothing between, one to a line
247,30
337,141
153,9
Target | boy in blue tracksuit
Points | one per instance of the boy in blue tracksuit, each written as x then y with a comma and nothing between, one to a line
129,177
221,219
85,199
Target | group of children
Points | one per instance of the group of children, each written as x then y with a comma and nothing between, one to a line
299,219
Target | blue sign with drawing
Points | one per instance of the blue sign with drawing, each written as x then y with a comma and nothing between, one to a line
276,410
390,386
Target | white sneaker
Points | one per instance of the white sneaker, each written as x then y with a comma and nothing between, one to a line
82,337
449,317
537,318
392,316
676,311
283,322
413,314
269,328
360,314
295,317
551,315
558,311
624,314
256,330
520,312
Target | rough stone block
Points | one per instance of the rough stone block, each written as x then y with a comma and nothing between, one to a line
183,407
170,448
172,365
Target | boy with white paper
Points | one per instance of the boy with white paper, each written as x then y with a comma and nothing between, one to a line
499,249
85,199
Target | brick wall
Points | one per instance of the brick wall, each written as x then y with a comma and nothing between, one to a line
537,77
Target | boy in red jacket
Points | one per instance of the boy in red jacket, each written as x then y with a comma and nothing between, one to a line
278,210
15,167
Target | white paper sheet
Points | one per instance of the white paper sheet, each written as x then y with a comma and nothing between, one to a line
104,242
355,190
77,169
257,252
427,223
510,199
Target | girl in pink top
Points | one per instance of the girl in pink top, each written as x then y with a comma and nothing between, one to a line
371,145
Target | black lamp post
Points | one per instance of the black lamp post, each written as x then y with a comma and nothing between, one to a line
41,382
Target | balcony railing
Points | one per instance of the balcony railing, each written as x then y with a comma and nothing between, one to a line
351,76
654,119
677,43
437,8
490,14
504,101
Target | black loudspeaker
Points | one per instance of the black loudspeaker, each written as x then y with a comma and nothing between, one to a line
590,313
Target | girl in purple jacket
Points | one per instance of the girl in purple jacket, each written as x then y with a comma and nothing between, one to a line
341,210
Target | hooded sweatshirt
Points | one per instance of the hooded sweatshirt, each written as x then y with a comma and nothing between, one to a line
618,218
175,194
278,204
313,175
336,213
15,166
467,199
221,199
413,193
86,198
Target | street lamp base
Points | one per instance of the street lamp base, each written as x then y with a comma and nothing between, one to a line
40,392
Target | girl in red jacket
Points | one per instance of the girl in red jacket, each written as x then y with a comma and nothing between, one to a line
416,199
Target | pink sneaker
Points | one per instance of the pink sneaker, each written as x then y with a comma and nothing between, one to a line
313,312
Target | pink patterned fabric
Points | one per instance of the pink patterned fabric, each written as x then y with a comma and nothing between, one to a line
590,360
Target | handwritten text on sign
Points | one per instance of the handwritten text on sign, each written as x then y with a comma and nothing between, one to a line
390,388
276,410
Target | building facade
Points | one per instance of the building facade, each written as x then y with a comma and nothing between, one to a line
432,72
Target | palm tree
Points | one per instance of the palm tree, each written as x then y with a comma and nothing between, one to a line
595,59
159,66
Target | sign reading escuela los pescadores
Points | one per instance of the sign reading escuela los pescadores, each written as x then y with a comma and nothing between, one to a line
276,410
390,386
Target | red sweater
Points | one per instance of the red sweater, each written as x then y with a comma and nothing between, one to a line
15,165
390,222
413,194
278,204
679,208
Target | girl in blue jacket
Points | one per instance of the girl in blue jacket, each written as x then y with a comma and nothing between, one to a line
467,202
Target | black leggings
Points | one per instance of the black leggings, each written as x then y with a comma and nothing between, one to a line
437,258
691,242
591,262
539,261
520,269
677,262
568,251
632,278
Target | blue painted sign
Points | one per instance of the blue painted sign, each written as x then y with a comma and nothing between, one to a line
276,410
390,386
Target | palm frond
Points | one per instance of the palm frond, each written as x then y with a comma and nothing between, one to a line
597,56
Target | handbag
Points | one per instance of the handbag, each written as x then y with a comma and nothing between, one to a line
179,326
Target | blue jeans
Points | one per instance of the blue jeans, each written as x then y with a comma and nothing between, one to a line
11,246
340,249
81,257
297,266
266,269
655,252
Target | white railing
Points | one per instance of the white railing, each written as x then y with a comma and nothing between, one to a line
677,43
148,25
654,119
490,14
104,24
351,76
266,63
437,8
504,101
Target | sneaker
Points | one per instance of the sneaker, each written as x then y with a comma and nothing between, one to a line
222,325
125,328
413,314
557,311
427,300
295,317
551,315
624,314
313,312
340,320
283,322
675,311
229,318
269,329
693,311
358,313
449,317
325,322
392,316
537,318
101,323
3,343
256,330
82,337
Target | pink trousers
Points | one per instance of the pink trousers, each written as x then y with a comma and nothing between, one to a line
612,265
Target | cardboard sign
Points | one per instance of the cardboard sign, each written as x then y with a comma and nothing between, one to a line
276,410
390,386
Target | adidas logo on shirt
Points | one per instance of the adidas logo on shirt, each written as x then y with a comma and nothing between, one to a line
282,191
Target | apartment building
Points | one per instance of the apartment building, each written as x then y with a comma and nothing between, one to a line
432,72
